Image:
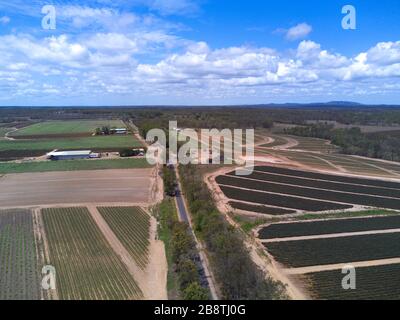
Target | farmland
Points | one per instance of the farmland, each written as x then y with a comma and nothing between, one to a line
304,253
313,193
284,230
72,165
281,200
381,282
131,226
110,143
87,267
259,209
328,177
66,127
20,276
323,184
94,186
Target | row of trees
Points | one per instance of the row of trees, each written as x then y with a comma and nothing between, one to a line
181,249
238,276
384,145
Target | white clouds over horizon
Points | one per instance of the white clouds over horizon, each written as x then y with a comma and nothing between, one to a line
110,52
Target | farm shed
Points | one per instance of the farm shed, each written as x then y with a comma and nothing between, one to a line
70,155
119,131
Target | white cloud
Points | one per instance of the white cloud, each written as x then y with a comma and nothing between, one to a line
152,63
5,20
299,31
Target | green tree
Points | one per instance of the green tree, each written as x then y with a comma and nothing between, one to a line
195,292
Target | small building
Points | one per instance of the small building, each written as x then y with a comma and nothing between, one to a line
70,155
119,130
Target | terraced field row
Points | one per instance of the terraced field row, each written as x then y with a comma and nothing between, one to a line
372,283
300,229
328,177
313,193
259,209
20,277
271,199
322,184
131,225
87,267
316,252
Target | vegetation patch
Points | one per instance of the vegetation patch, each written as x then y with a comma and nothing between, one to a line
281,200
297,229
20,277
237,275
376,282
260,209
313,193
305,253
66,127
131,226
87,268
71,165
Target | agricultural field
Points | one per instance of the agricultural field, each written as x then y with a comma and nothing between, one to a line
131,226
278,141
271,199
329,177
86,266
66,127
259,209
72,165
72,187
325,251
297,229
376,282
20,270
39,138
312,192
322,184
314,145
110,143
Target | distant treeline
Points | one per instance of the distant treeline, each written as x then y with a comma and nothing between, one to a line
213,117
381,145
237,275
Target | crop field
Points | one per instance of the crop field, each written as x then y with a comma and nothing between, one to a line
314,145
110,143
131,226
297,229
322,184
93,186
86,265
304,253
312,193
281,200
278,141
72,165
20,277
259,209
328,177
376,282
66,127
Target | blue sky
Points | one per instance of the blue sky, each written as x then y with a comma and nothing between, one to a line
121,52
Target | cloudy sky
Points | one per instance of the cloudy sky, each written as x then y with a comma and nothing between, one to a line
143,52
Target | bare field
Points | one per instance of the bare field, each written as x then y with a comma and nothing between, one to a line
111,186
